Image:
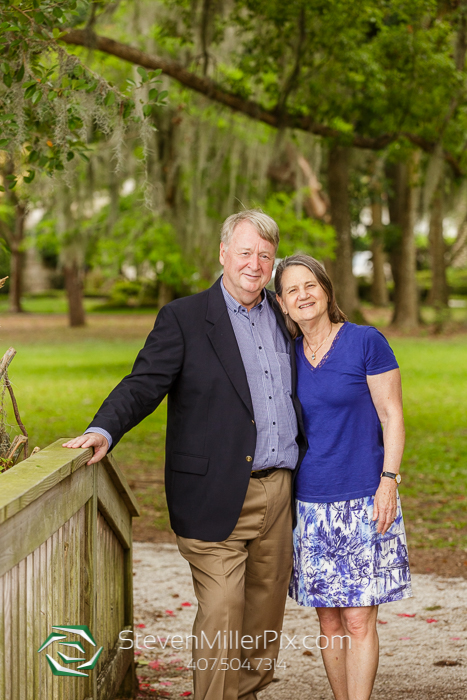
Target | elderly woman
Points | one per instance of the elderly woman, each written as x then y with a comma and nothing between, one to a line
350,550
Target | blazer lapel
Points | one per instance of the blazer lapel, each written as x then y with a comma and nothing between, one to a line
224,342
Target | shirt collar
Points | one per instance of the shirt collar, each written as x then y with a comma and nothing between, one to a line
235,306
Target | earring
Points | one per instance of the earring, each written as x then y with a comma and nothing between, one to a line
285,312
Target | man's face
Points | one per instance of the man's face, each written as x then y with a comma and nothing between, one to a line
248,262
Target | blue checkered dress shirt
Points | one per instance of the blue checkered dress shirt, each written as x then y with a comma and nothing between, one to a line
266,357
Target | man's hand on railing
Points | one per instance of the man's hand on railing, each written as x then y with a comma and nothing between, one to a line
95,440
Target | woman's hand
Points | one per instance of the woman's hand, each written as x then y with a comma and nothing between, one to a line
385,504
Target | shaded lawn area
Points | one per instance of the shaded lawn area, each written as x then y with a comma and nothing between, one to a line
61,375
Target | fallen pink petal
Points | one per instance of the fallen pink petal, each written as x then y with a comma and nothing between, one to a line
186,605
405,615
431,619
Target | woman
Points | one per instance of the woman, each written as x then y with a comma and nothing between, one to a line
350,550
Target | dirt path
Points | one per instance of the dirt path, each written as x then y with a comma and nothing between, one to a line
411,645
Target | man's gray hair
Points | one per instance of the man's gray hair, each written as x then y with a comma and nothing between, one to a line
266,227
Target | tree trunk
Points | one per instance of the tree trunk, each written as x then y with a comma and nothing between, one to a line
166,295
438,296
338,186
14,236
402,202
74,289
16,281
379,290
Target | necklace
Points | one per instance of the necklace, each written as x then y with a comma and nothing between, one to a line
313,352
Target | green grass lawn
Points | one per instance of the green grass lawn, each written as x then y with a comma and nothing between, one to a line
434,375
61,375
56,304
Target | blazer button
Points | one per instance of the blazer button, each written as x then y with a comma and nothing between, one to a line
249,459
253,422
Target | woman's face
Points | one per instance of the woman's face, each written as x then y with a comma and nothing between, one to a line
303,298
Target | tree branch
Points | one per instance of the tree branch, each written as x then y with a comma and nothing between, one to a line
291,80
215,92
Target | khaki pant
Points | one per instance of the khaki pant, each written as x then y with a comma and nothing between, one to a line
241,586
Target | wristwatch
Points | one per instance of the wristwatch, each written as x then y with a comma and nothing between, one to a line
397,477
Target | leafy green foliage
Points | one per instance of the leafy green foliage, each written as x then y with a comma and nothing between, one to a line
299,234
142,239
50,100
367,68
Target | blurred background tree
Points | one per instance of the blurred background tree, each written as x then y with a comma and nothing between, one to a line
344,121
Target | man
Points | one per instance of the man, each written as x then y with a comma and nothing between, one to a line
223,357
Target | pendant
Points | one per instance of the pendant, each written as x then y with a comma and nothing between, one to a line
313,356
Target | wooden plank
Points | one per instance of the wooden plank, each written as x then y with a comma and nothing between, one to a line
22,645
100,585
29,528
106,572
43,620
128,582
14,632
130,679
51,679
112,506
117,590
7,635
39,622
121,484
81,602
88,612
31,651
2,639
114,672
49,568
28,480
69,593
56,566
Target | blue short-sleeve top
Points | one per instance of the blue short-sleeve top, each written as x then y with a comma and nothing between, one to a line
345,454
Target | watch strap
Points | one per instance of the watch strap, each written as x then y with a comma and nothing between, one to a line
391,475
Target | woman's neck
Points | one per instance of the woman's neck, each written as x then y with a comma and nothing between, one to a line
316,330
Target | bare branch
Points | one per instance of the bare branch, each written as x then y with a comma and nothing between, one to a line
7,358
16,411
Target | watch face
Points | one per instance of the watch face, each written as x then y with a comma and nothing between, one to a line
398,479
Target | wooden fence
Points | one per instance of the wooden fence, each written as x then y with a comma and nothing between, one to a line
65,560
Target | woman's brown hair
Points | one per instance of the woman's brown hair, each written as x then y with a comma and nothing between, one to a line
334,312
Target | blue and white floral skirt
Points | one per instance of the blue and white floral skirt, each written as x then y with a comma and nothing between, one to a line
341,561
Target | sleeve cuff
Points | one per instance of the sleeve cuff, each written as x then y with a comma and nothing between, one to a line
101,431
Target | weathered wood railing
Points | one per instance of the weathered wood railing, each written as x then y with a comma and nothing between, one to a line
65,560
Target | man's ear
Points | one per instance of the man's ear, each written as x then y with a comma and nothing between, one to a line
222,253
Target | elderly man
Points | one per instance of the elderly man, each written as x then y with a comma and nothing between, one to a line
224,359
